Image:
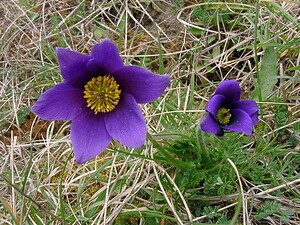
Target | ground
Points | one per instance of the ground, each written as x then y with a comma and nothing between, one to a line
247,180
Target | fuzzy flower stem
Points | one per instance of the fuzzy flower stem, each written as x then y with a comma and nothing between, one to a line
204,153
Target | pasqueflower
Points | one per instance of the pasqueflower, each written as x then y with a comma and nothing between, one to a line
225,111
100,96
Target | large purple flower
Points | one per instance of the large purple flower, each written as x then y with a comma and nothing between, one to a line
100,95
225,111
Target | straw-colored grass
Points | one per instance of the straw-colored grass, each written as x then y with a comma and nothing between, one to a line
40,181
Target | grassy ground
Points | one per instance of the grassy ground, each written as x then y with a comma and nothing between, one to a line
246,180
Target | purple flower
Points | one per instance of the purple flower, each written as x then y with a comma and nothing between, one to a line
225,111
100,95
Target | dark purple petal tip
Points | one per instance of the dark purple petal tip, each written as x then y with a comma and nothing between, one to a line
142,84
62,102
73,66
107,57
230,89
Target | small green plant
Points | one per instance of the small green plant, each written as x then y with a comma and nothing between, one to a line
270,208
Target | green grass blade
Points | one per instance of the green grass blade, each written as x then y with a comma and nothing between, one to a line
160,59
275,7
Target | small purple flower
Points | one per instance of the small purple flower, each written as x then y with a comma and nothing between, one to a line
225,111
100,95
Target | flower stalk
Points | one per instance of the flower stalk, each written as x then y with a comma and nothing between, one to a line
206,156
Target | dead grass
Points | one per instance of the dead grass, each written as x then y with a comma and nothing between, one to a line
36,156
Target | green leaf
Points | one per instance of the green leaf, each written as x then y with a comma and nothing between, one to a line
278,9
268,74
161,61
294,68
23,114
195,30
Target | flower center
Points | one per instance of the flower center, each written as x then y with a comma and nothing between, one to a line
102,94
223,116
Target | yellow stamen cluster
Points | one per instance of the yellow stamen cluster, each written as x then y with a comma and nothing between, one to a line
223,116
102,94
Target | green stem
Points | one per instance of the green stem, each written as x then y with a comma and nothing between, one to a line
204,153
237,211
258,86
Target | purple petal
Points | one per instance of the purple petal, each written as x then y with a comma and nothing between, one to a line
240,122
107,57
230,89
214,104
142,84
62,102
73,66
126,123
254,118
89,136
248,106
210,125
